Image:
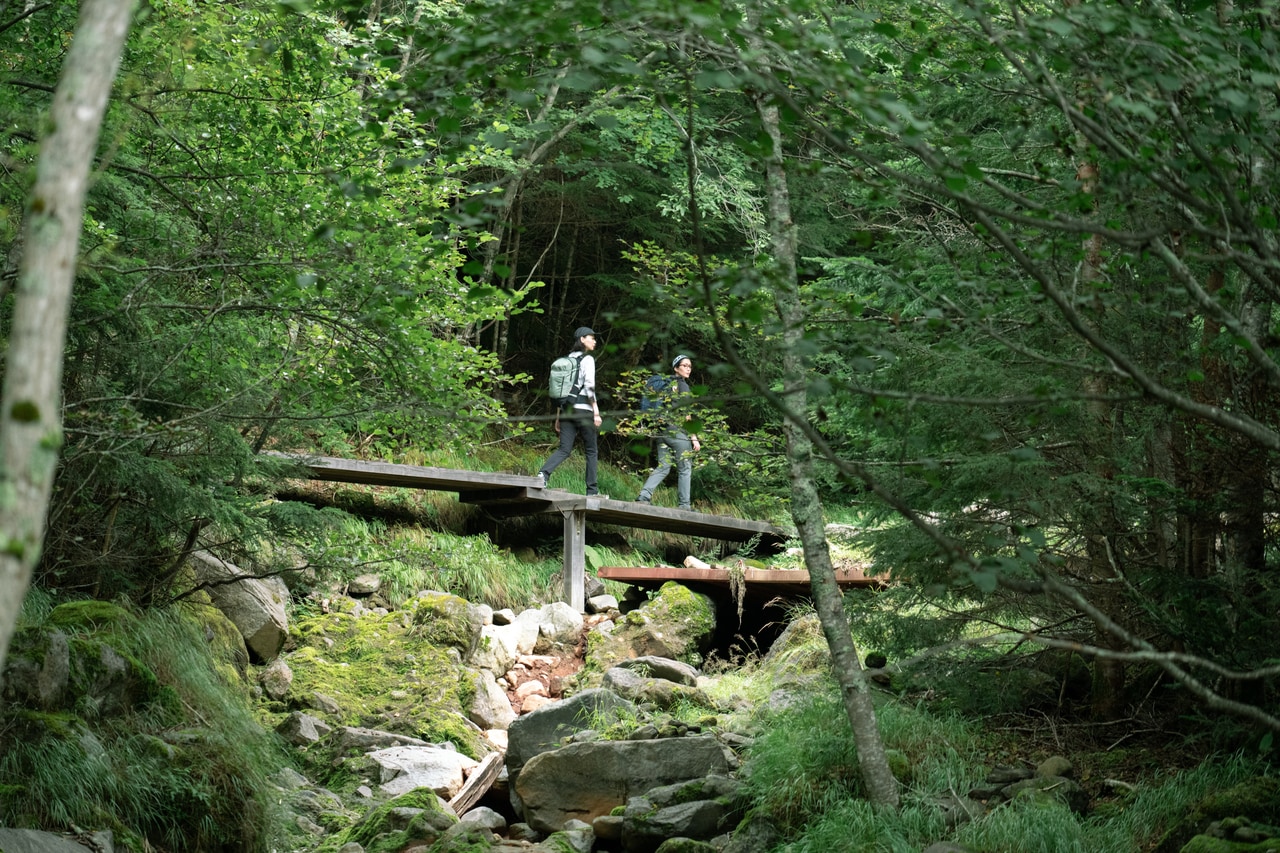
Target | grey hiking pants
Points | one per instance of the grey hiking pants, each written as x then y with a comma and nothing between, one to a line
673,447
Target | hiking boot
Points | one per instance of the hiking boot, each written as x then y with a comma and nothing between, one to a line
542,479
687,507
641,500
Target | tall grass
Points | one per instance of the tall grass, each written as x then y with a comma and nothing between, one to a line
803,772
469,566
187,769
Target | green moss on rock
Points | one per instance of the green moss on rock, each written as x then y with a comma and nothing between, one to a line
383,674
89,616
377,824
471,841
686,845
446,620
1256,799
1210,844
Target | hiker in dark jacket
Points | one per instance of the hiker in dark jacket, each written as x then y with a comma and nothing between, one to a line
580,414
675,445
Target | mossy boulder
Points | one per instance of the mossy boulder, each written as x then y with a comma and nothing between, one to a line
799,652
470,841
89,616
447,620
1256,800
53,670
686,845
676,623
414,817
382,673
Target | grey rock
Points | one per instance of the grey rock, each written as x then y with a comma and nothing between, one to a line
544,729
654,666
406,768
490,707
586,780
607,827
318,701
1005,773
55,672
302,729
1065,790
957,810
256,606
659,692
601,604
290,779
354,737
276,679
35,841
757,833
643,828
523,832
484,818
572,840
560,625
366,584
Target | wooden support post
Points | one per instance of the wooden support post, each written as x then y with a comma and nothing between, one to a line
575,558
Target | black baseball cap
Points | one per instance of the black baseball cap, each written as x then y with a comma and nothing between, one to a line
582,332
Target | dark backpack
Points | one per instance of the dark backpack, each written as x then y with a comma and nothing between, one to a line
656,389
564,379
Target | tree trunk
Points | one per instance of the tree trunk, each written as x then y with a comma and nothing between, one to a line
30,415
806,505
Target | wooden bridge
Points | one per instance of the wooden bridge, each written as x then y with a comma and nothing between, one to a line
511,495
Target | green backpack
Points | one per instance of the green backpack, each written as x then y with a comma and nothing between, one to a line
564,379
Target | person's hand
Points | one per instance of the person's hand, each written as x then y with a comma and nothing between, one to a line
597,419
697,445
557,426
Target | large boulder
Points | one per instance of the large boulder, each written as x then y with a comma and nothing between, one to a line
560,626
255,605
660,692
700,809
406,768
82,669
676,623
498,648
583,781
36,841
490,707
652,666
447,620
547,727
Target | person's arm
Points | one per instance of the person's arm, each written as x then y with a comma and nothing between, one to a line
683,389
589,385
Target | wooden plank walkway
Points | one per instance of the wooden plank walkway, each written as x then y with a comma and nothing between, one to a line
511,495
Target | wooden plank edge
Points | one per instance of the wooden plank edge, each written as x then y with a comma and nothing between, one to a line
477,784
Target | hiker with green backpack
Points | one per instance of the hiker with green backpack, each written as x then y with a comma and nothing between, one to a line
573,392
674,444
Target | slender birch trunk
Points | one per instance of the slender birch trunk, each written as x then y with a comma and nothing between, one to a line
806,505
30,414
